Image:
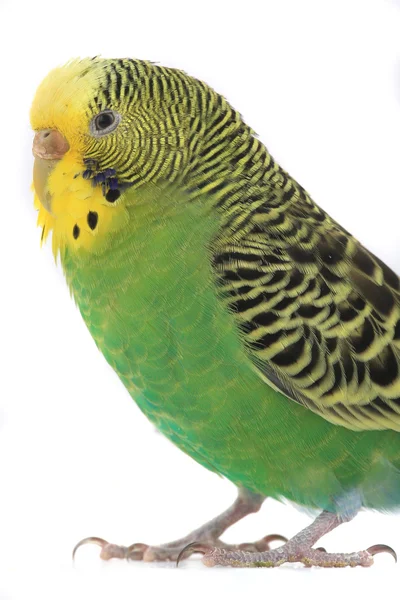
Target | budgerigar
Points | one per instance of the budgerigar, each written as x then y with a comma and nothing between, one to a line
254,331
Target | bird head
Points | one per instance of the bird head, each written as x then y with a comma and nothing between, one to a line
103,126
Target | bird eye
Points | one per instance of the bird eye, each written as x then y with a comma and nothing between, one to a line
104,120
104,123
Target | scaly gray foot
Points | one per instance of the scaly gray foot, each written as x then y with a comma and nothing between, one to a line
288,553
298,549
172,551
246,503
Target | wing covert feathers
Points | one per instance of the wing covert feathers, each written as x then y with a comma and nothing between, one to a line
319,314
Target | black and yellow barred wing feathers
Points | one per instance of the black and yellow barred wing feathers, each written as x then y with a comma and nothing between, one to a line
319,314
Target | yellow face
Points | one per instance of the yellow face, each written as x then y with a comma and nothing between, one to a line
65,115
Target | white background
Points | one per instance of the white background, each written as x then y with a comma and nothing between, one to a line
320,82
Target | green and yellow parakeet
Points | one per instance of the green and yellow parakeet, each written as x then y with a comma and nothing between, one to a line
253,330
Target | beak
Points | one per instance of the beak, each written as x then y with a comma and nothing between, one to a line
49,146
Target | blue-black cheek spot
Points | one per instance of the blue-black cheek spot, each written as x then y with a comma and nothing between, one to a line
107,180
75,232
99,178
113,183
112,195
109,172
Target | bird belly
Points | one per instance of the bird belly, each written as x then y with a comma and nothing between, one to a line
155,315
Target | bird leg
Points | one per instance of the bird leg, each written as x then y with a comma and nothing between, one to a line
246,503
297,549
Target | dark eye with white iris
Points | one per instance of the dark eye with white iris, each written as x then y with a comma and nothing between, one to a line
105,122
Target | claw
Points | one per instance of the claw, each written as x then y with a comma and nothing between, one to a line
378,548
320,549
89,540
194,547
113,551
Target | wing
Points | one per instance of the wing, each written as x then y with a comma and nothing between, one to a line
319,314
